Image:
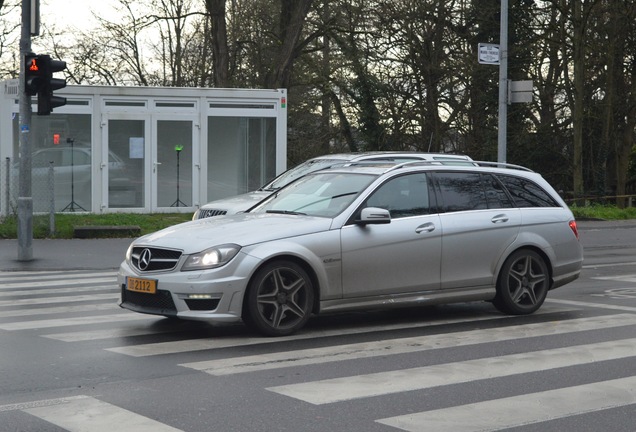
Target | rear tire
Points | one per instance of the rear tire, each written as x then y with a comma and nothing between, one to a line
523,283
279,299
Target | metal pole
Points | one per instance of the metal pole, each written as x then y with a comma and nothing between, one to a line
7,207
51,199
25,200
503,83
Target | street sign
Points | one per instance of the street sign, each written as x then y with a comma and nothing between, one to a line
520,91
488,53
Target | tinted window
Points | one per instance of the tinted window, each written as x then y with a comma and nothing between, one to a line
402,196
526,193
461,191
496,195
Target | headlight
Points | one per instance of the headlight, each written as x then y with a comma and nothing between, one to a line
211,258
195,216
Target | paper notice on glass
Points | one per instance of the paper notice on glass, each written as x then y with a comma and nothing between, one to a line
136,147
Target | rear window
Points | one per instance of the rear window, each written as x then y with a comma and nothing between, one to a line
526,193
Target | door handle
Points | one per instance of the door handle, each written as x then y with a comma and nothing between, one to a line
427,227
500,218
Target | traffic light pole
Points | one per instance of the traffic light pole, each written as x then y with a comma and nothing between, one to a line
25,200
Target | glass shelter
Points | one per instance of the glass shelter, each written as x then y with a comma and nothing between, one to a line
143,149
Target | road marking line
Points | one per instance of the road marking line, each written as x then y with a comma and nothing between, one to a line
592,305
90,414
521,410
23,293
98,319
383,383
48,276
58,310
34,404
109,334
216,342
405,345
593,266
64,299
60,283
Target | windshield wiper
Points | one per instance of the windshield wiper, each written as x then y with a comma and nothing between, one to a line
289,212
327,198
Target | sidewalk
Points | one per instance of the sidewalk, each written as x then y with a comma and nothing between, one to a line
73,254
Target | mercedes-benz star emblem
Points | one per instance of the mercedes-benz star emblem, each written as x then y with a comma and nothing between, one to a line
144,259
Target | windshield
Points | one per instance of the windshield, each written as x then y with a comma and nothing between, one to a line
320,194
298,171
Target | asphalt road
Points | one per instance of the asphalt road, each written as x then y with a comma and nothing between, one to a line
71,361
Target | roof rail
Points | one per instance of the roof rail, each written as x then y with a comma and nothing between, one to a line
502,165
455,162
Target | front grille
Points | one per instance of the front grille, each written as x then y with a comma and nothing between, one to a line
202,304
147,259
206,213
160,303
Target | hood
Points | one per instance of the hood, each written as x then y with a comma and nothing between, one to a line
237,204
243,229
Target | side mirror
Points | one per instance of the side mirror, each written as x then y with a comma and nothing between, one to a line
374,216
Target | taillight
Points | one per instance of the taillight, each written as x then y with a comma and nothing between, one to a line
574,229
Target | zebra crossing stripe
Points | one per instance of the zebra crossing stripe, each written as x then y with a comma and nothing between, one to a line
108,334
98,319
60,283
592,305
74,290
499,414
51,276
383,383
216,343
58,310
63,299
406,345
90,414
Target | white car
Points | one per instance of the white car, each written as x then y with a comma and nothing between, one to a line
243,202
362,237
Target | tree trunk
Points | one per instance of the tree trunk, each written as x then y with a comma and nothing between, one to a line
220,51
292,19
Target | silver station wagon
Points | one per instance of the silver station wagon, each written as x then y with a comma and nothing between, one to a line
362,237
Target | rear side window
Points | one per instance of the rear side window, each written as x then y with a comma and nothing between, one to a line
496,194
462,191
526,193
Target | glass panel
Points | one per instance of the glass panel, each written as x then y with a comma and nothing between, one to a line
52,138
241,154
174,154
461,191
126,167
403,196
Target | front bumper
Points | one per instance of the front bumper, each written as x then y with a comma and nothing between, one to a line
210,295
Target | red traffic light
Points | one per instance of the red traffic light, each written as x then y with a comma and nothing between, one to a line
38,80
33,66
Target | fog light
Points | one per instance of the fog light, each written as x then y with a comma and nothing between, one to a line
200,296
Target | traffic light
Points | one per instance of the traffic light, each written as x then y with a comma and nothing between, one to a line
39,80
33,74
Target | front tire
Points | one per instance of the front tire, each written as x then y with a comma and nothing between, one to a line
523,283
279,299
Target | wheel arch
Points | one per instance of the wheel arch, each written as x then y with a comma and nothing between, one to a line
541,252
306,266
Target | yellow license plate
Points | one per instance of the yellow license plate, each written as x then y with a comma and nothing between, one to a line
142,285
